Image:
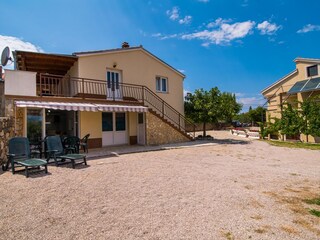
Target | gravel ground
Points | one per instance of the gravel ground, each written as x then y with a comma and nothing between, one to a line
231,188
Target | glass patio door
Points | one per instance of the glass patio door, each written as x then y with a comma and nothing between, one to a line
34,124
114,128
113,85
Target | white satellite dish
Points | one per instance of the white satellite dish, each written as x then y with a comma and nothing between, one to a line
5,56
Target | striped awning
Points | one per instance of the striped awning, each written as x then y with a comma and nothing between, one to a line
81,106
121,108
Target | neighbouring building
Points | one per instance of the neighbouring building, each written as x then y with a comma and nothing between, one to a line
297,86
118,96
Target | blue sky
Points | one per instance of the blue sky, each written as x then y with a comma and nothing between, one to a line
240,46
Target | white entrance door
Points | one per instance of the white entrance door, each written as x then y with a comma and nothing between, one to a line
114,128
141,129
113,85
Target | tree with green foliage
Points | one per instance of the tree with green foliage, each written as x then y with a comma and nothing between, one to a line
202,106
310,115
210,106
290,122
270,128
254,116
243,117
228,107
304,120
257,115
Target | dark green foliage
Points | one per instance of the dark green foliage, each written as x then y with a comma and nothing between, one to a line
313,201
211,106
295,145
258,114
228,107
294,121
314,212
310,114
252,116
290,122
272,128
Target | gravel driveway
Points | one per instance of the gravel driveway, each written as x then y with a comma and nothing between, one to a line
230,188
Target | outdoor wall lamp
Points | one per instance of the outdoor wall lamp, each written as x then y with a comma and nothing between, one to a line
114,65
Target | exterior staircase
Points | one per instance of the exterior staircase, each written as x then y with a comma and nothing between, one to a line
188,135
158,107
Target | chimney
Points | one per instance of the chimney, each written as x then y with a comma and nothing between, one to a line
125,45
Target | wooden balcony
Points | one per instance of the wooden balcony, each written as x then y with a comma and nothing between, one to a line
85,88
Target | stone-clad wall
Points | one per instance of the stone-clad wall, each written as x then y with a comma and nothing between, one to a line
6,132
159,132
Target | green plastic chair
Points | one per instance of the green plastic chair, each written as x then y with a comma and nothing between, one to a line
71,144
20,154
56,151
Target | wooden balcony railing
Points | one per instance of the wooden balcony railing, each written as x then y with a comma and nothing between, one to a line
85,88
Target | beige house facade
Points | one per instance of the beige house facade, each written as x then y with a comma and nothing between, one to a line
297,86
114,95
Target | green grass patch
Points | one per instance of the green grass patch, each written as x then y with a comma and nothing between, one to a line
314,212
312,201
311,146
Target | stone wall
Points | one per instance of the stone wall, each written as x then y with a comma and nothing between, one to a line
6,132
160,132
2,100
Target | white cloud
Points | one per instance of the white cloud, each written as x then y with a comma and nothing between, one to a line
205,44
239,94
309,28
169,36
164,37
15,43
181,70
156,35
251,101
185,20
173,14
245,3
267,28
218,22
204,1
224,33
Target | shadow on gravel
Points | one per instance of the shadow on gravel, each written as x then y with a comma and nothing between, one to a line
231,141
206,142
111,152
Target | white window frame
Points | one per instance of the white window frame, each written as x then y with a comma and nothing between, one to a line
159,87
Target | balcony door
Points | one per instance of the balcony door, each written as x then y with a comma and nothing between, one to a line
113,85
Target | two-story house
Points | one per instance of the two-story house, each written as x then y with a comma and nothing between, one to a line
118,96
297,86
